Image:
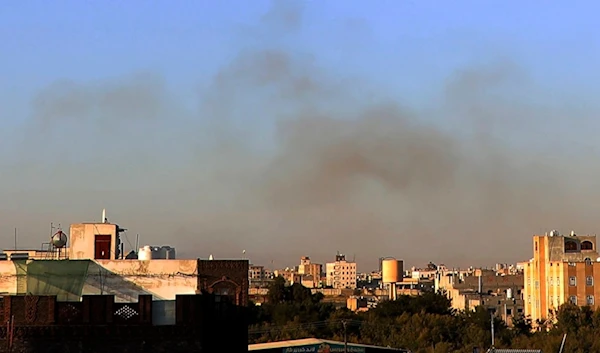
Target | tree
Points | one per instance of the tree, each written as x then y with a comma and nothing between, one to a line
277,291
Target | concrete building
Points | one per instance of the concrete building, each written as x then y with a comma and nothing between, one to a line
341,273
96,266
290,275
310,272
498,292
563,268
256,272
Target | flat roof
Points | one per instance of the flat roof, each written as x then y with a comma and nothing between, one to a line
309,341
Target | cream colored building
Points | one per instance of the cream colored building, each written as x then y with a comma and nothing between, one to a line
96,266
341,273
310,272
563,268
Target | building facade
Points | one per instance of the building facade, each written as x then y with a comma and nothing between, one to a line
341,273
310,272
95,266
563,268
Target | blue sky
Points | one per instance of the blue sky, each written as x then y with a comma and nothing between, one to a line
407,51
410,46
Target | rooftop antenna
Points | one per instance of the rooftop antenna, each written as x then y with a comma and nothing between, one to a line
15,238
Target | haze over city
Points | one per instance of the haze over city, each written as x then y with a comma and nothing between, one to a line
425,131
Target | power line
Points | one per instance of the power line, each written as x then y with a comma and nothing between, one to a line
306,325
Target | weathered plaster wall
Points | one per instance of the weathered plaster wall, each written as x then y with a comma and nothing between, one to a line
8,277
82,239
163,279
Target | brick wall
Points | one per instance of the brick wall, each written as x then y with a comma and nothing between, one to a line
99,324
231,275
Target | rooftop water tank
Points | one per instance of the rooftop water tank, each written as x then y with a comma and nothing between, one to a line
59,239
145,253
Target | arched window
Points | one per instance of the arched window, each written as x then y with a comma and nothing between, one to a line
226,291
588,261
570,246
587,245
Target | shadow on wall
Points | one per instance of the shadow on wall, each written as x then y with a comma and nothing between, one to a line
68,280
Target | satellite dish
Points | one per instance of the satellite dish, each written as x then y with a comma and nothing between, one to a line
59,239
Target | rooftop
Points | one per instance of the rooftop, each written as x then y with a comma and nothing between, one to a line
310,342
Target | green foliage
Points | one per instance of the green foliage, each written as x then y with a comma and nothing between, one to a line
425,323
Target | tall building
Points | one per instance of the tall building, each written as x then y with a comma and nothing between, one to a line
311,272
341,273
563,268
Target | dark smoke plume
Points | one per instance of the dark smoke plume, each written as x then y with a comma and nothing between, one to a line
338,165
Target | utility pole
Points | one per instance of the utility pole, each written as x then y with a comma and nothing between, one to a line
493,343
344,323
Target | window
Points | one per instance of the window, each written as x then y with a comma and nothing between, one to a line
508,311
570,246
589,300
588,261
551,281
529,299
573,299
589,281
537,284
587,245
573,281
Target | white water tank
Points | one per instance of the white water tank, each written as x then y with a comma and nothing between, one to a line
509,294
392,271
145,253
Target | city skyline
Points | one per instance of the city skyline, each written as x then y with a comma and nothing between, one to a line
302,128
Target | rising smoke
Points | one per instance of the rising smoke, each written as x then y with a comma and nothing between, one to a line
348,169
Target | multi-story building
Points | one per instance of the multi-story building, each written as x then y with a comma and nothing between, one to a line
563,268
290,275
310,272
341,273
498,292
